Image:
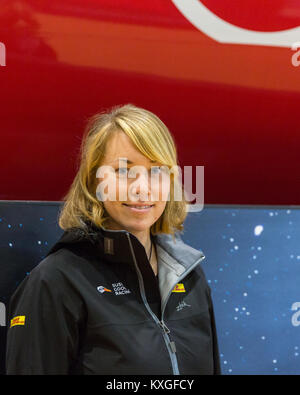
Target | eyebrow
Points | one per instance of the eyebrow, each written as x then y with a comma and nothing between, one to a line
129,161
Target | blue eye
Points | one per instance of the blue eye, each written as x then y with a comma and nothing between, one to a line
155,169
122,171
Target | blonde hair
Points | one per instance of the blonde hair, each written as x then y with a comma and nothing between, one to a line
151,137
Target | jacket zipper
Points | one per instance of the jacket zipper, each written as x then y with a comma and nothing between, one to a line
165,330
171,347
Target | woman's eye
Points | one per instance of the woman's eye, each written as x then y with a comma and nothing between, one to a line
122,171
155,170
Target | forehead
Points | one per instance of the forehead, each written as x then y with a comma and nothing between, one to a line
120,147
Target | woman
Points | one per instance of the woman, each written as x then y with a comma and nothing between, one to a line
120,293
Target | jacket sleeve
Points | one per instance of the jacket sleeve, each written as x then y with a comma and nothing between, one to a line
44,324
216,355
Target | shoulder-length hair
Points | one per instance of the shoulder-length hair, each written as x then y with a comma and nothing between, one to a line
152,138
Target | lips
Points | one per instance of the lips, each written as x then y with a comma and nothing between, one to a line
138,205
139,209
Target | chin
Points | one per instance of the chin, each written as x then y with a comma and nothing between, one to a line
138,227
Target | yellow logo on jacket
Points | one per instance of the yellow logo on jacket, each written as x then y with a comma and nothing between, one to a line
179,288
19,320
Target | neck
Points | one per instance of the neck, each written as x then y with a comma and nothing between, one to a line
143,236
145,240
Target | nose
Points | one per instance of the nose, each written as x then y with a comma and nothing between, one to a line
141,187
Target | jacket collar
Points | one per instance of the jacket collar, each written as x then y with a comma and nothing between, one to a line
113,245
175,258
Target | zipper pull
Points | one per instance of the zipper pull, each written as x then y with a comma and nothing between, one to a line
167,331
164,327
173,347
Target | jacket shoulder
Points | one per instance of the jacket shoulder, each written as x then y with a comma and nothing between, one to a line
202,276
58,265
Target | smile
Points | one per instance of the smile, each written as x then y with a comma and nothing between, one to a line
141,209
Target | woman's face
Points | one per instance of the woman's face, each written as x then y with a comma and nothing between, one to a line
123,192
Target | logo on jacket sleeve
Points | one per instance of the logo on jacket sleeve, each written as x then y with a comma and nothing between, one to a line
178,288
18,320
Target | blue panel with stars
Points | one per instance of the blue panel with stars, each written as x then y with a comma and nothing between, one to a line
252,265
253,268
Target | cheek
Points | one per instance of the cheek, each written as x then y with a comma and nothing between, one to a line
161,190
158,210
112,189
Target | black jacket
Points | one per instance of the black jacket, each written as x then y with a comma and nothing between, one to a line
94,306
